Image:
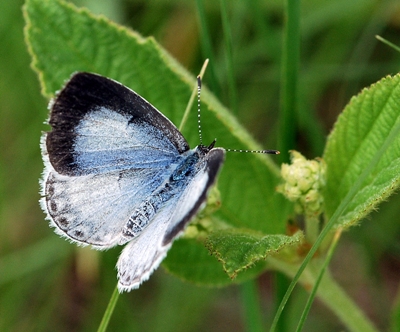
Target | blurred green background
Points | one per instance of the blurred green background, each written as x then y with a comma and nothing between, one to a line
46,284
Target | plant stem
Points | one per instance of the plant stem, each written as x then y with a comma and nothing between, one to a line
288,102
109,311
251,307
229,57
312,229
321,274
289,85
343,306
206,47
330,293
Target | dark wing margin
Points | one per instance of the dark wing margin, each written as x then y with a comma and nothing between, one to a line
86,92
214,161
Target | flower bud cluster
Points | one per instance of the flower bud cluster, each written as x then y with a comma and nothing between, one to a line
304,181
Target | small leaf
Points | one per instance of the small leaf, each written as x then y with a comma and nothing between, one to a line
363,152
190,261
239,249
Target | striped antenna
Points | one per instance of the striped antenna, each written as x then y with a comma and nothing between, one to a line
198,107
255,151
228,150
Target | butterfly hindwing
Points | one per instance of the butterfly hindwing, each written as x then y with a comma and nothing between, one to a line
195,194
144,254
92,209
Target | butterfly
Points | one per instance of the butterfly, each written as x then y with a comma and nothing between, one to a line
117,172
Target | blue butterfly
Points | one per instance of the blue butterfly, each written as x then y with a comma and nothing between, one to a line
117,171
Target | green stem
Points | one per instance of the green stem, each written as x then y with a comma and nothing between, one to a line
288,102
312,229
342,305
251,307
206,47
289,85
319,279
281,285
383,40
109,311
192,97
330,293
229,57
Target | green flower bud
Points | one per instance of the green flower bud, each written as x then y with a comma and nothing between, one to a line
304,181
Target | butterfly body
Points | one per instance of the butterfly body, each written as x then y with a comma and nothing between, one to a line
176,182
117,171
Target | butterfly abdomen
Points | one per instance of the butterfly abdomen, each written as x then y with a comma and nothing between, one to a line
146,211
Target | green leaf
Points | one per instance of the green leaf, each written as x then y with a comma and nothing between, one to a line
240,249
190,261
363,152
63,39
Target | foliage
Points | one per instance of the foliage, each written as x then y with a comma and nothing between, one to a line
249,233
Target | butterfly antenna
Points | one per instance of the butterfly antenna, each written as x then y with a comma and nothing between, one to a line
198,107
255,151
212,144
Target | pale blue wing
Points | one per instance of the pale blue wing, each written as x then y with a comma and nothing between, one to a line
93,209
106,141
108,150
119,164
99,125
144,254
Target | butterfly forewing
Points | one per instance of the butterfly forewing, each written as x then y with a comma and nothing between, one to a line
92,115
